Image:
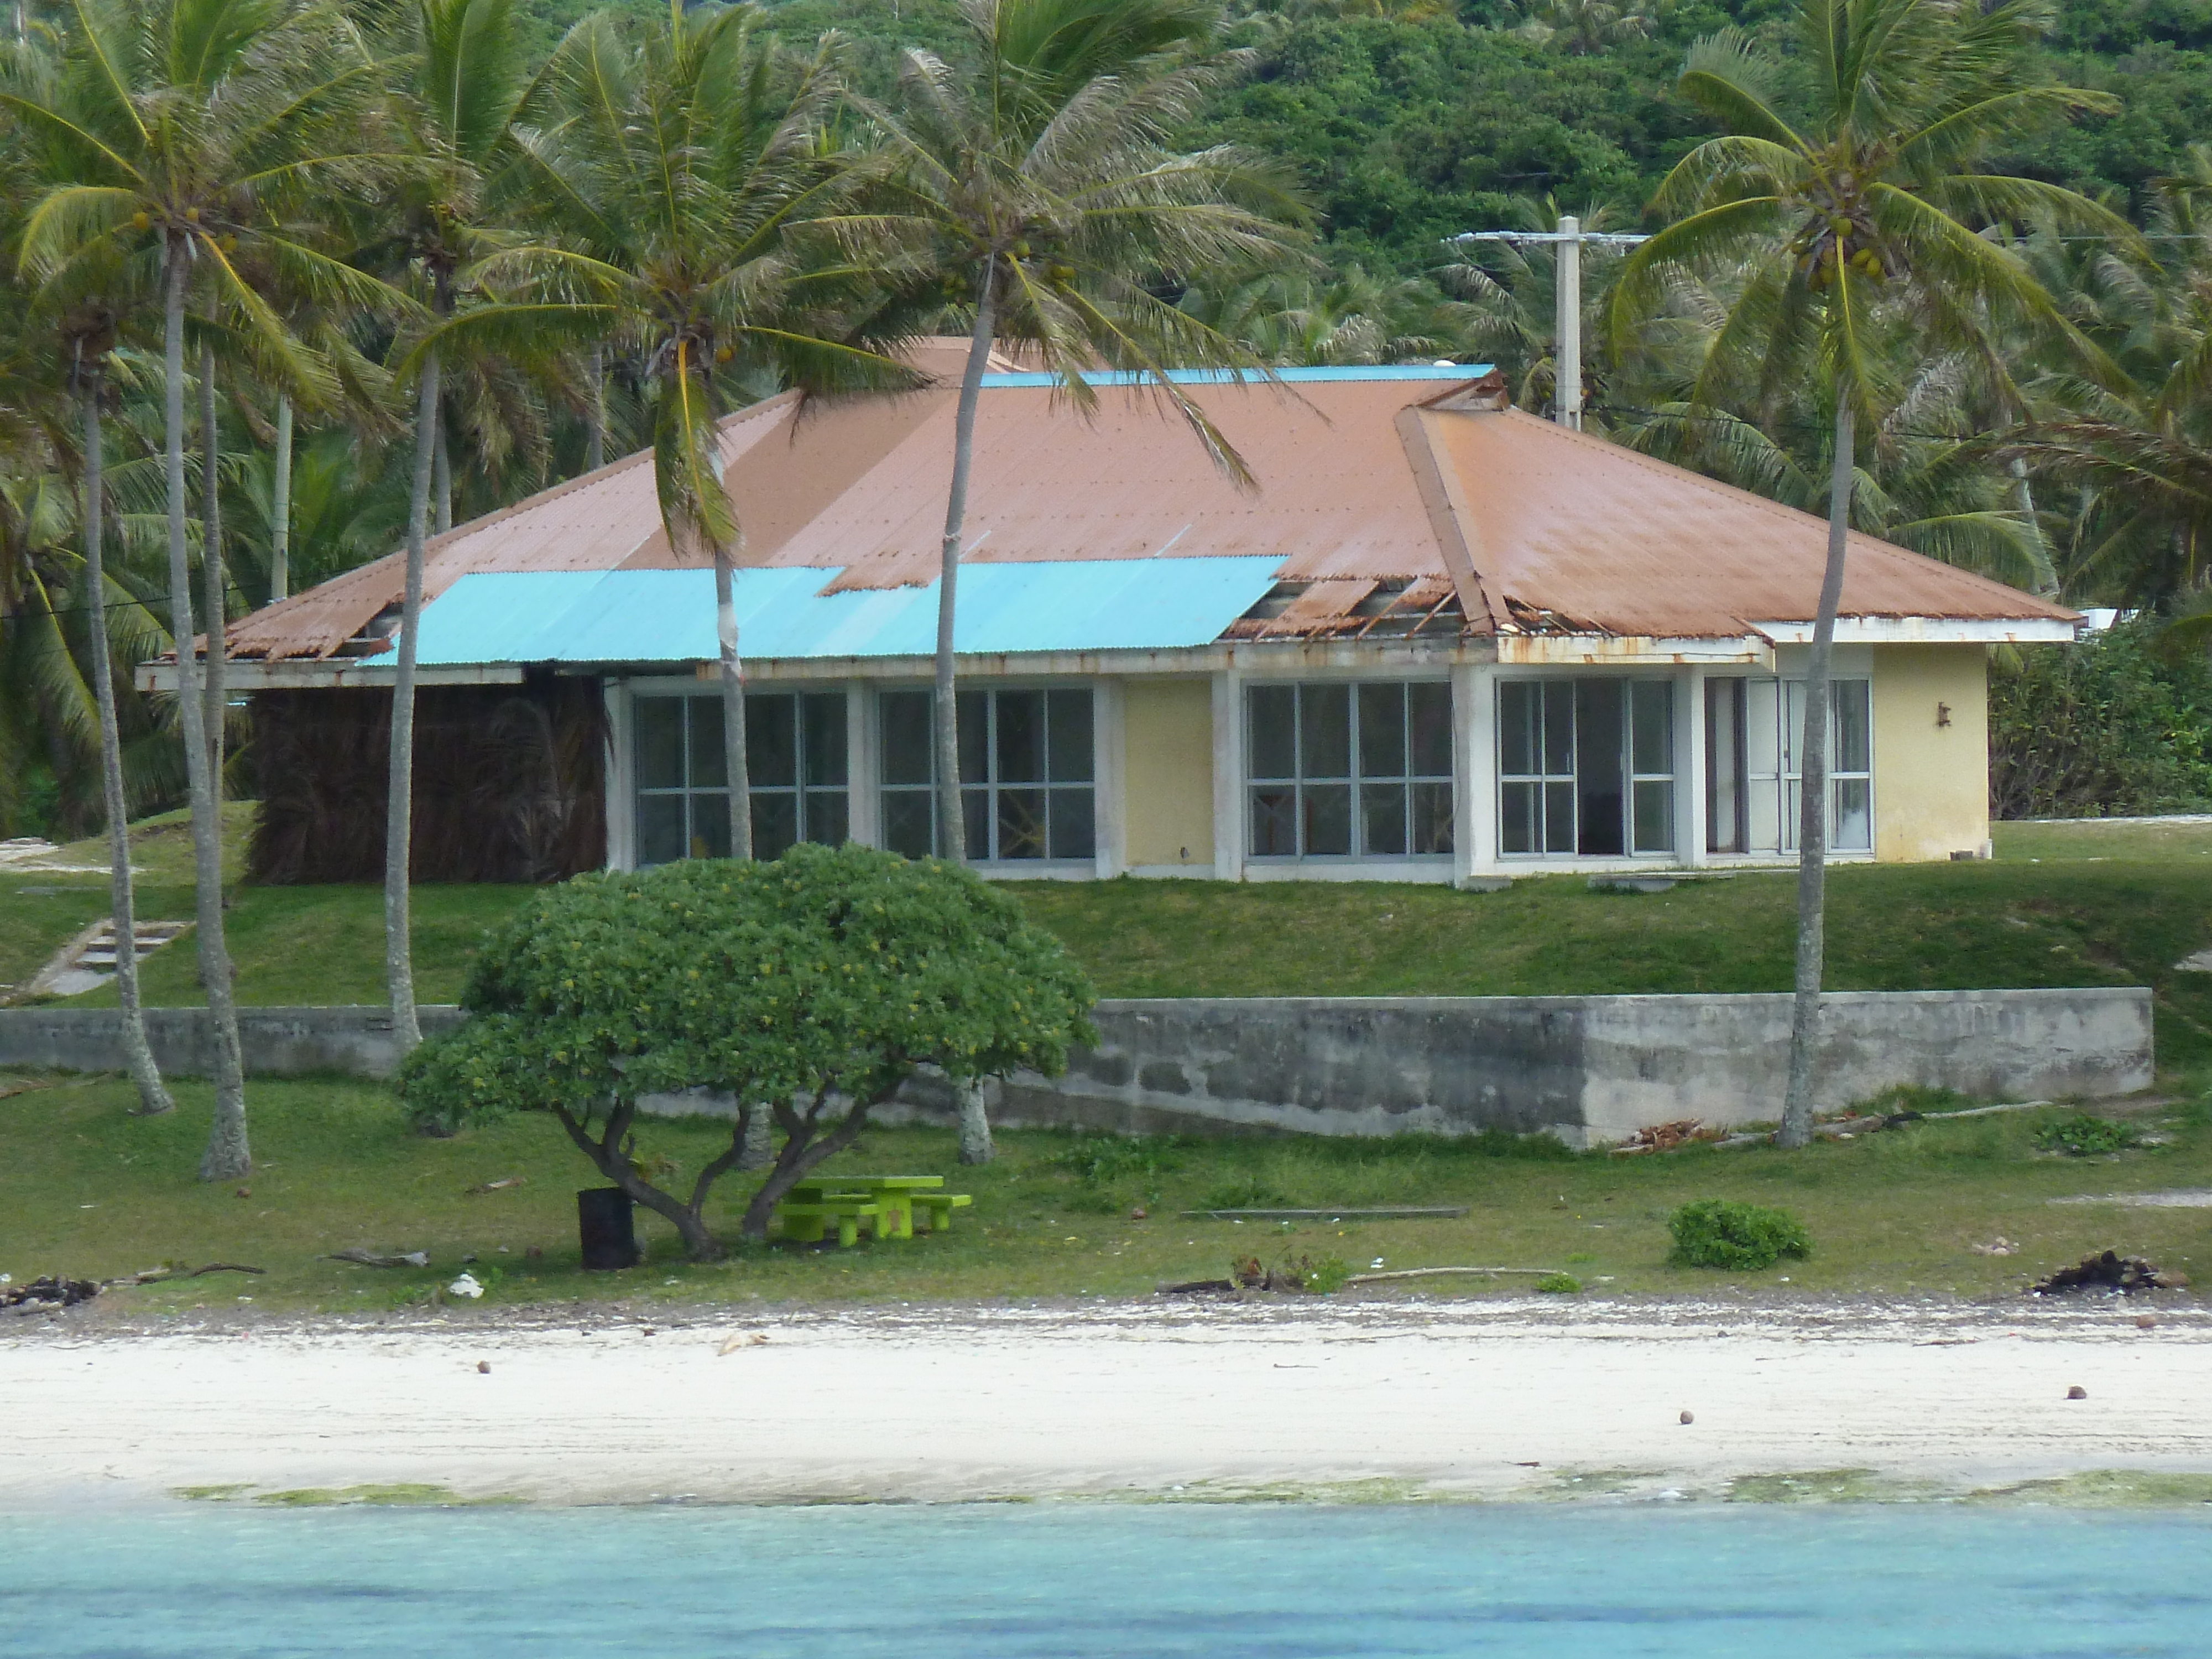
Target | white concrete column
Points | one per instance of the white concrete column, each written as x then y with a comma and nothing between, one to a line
1690,768
1108,773
620,804
1229,816
862,802
1474,769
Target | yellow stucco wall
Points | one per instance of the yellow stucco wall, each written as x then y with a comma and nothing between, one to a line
1168,769
1931,787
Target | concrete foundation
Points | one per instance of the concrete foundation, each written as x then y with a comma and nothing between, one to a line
1587,1069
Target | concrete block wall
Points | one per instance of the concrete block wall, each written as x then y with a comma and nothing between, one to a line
1587,1069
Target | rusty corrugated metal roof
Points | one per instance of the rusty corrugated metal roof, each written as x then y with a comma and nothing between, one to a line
1392,499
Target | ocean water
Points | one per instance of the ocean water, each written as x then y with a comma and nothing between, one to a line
1071,1581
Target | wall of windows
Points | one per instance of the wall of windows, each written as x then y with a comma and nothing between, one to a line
1774,726
796,766
1349,771
1586,766
1027,774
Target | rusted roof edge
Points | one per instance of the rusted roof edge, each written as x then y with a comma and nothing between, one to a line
1449,517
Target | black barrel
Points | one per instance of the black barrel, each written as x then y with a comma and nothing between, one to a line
609,1226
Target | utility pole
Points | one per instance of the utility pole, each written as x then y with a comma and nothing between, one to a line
1567,309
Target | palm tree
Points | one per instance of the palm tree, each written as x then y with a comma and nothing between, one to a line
1292,319
675,156
90,331
190,129
1038,185
467,83
1847,188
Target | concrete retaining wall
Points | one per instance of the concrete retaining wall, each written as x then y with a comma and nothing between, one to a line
1584,1068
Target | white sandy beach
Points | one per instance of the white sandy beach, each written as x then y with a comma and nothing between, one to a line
1485,1398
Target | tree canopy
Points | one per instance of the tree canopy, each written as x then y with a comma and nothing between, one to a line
811,987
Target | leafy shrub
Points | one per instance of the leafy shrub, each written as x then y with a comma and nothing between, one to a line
815,984
2105,728
2085,1135
1102,1161
1717,1232
1242,1191
1559,1285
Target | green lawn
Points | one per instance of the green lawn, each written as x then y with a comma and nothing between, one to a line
96,1192
2075,904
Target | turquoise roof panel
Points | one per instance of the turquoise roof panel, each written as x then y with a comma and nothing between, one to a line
646,616
1112,377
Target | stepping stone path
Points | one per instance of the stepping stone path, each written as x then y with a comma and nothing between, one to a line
88,962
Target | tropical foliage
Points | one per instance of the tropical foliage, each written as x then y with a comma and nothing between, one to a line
810,989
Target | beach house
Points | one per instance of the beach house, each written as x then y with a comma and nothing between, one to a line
1441,640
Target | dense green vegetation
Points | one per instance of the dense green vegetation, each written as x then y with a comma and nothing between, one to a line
2112,726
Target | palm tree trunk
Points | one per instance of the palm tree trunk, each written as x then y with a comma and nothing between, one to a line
975,1122
154,1096
399,797
1812,786
280,507
951,827
595,414
444,481
228,1154
216,603
733,705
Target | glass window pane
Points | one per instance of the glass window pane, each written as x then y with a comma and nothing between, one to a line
1655,816
975,823
907,821
975,738
1382,731
1068,716
1793,724
1854,826
828,816
1021,736
1272,730
1325,734
1518,705
1275,823
1793,808
1652,727
1557,737
1429,715
823,735
659,744
905,718
771,745
710,826
1432,816
776,824
1074,824
1021,824
659,829
1853,746
1326,810
1381,816
1559,818
709,767
1517,818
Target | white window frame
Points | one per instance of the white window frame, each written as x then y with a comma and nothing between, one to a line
986,861
1546,782
636,791
1248,784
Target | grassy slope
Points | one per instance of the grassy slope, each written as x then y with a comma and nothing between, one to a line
96,1192
2079,904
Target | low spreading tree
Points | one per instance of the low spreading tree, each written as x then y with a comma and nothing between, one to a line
811,987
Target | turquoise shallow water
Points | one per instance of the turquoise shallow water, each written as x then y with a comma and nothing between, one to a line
981,1582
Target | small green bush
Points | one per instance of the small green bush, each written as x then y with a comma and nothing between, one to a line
1102,1161
1244,1192
1559,1285
1717,1232
2085,1135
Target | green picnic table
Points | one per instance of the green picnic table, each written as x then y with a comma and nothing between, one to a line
887,1203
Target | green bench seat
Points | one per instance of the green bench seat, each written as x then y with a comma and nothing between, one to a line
941,1207
805,1224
